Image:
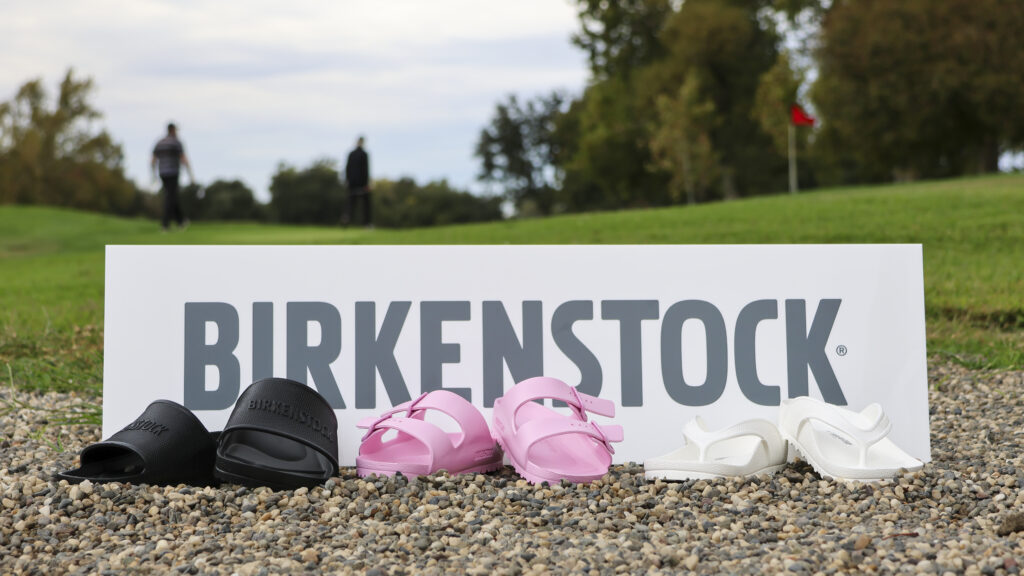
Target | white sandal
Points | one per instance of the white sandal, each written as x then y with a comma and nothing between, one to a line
747,449
843,444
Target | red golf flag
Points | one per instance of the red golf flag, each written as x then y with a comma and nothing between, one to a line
799,117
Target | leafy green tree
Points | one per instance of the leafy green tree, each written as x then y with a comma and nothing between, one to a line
603,136
917,88
622,36
519,150
52,152
670,108
728,47
313,195
776,92
682,141
619,153
608,167
593,153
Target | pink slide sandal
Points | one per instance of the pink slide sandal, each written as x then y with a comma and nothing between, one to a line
548,446
422,448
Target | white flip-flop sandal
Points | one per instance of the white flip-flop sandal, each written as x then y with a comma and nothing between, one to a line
843,444
749,448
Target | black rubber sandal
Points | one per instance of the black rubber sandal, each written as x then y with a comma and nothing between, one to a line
281,434
167,444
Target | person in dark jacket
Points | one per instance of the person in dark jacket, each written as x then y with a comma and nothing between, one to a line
168,158
357,176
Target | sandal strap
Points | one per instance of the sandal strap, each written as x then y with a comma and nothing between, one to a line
289,409
542,387
696,432
471,422
435,439
167,437
408,407
841,422
534,431
469,419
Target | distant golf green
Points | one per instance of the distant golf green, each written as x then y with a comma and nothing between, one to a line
51,260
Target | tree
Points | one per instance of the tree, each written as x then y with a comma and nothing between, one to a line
917,88
608,165
670,106
682,141
622,36
727,47
618,153
591,154
519,150
313,195
603,136
55,154
776,92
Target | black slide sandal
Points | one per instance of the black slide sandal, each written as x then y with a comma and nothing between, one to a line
167,444
281,434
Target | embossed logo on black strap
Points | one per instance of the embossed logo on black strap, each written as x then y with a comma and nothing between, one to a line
150,426
289,411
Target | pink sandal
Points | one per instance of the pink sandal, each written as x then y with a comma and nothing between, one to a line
422,448
548,446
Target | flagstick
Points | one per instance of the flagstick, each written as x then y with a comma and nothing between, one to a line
792,159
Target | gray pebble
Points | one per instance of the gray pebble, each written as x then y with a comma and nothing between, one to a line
961,514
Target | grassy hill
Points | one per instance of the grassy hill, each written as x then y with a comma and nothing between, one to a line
51,260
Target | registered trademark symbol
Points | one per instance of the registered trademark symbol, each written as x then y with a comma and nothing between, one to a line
841,350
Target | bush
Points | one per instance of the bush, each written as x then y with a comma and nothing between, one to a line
405,204
222,200
313,195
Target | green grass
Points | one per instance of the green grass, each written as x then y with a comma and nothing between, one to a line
51,260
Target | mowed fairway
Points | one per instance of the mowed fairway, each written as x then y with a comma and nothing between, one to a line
51,260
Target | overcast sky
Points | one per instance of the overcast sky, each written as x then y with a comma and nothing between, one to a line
253,83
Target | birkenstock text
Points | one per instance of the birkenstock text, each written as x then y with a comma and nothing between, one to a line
289,411
148,426
520,349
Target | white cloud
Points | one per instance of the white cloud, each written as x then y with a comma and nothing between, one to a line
252,83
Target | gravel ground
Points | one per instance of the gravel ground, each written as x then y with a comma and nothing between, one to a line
958,515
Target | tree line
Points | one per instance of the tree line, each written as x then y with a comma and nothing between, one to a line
53,152
689,101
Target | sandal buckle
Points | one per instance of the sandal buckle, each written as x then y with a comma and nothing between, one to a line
604,439
579,407
409,410
373,427
412,405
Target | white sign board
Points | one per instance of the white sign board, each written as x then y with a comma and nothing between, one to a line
665,332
